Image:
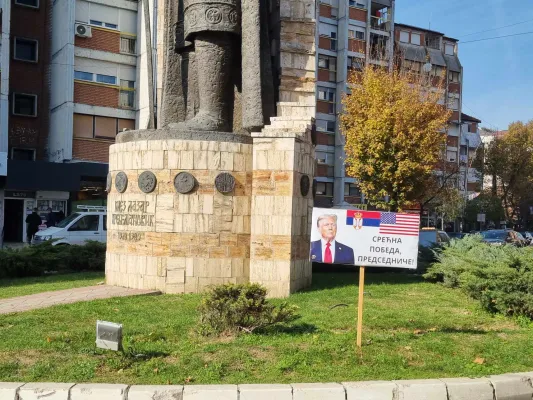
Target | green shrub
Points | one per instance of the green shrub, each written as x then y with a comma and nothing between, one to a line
500,277
231,309
36,260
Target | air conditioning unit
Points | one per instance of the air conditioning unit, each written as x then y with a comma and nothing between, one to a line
83,30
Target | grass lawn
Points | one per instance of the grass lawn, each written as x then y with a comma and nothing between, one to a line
26,286
412,329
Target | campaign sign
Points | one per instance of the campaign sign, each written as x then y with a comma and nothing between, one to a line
365,238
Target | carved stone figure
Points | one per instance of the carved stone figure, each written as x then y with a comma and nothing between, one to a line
213,47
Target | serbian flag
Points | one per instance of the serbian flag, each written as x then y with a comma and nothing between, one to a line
357,218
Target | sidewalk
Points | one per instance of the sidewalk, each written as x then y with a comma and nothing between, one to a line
48,299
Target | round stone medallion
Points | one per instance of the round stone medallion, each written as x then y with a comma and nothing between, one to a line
213,15
225,182
184,182
121,182
109,182
147,181
305,184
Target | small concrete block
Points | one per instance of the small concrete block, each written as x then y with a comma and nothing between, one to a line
265,392
155,392
98,392
372,390
318,391
465,389
430,389
210,392
511,387
8,390
48,391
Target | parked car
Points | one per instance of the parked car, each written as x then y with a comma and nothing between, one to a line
431,236
455,235
90,223
500,237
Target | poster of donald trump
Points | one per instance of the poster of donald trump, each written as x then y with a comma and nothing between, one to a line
364,238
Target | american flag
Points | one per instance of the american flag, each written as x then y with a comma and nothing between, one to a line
399,224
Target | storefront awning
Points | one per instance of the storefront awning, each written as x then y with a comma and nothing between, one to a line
42,175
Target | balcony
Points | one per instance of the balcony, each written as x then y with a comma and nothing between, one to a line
128,45
380,24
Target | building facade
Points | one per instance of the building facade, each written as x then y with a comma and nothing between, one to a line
5,18
354,32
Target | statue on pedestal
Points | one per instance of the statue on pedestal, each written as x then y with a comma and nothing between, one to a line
215,46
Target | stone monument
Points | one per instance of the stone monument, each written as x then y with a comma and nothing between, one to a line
221,192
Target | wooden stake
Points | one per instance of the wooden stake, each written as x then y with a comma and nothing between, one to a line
360,307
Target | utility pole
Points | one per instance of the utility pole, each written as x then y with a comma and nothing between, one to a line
149,64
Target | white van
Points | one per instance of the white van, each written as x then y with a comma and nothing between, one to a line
89,223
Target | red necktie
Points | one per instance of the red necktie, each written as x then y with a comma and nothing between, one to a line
328,258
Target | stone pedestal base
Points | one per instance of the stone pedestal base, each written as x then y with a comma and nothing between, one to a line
184,214
174,242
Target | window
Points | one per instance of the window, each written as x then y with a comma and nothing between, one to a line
351,189
28,3
334,12
96,23
111,80
25,104
333,42
415,38
404,37
325,126
104,217
358,4
355,63
83,76
87,223
127,94
93,126
353,34
451,156
324,188
26,49
449,49
127,45
454,77
23,154
111,26
325,158
105,127
326,94
453,103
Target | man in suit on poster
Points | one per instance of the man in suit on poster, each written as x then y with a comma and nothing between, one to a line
327,249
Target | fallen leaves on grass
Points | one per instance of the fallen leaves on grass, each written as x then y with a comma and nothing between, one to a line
479,361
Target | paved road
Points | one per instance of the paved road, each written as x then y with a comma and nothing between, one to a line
48,299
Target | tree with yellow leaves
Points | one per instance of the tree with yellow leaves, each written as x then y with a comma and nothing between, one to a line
395,131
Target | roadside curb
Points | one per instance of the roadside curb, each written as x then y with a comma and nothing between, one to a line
516,386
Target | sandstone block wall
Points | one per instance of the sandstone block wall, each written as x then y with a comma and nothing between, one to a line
179,243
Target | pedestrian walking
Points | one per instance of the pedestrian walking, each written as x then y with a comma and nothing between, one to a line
33,221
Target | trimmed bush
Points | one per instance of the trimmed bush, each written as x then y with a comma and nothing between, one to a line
232,309
500,277
36,260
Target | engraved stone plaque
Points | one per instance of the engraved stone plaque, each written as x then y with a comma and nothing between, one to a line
305,184
121,182
109,182
147,182
225,182
184,182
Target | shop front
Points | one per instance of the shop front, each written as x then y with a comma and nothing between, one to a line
43,185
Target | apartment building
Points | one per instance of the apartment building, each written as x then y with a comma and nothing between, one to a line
354,32
74,68
350,33
5,18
